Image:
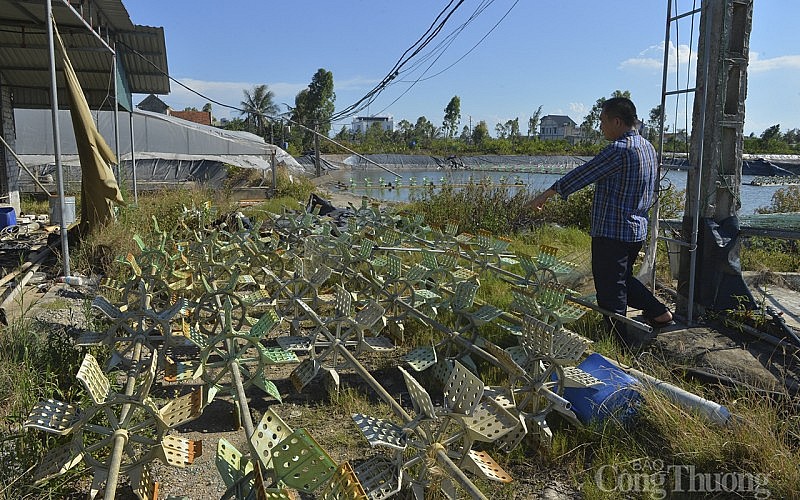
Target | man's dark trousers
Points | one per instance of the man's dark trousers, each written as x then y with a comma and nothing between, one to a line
617,288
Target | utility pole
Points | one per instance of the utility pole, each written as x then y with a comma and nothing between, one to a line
707,275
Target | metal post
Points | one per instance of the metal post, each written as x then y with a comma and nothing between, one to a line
653,243
57,137
458,474
133,164
116,115
274,175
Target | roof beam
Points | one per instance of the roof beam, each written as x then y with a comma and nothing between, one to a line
27,13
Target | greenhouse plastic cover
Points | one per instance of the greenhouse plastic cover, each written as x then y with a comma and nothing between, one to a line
156,137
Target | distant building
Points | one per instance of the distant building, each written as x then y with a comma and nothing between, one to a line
559,127
361,124
154,105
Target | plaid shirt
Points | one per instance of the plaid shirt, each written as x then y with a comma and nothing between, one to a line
624,173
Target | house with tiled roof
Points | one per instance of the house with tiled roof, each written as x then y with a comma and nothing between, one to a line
201,117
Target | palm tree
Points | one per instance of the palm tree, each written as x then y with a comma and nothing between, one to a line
257,106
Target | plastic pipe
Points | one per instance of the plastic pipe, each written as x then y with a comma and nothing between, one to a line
709,409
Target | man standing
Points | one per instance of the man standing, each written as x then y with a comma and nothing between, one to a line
624,174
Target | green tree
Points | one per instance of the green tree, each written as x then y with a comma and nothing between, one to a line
313,106
501,129
654,124
773,132
425,131
452,117
512,128
464,137
533,122
480,133
207,107
257,107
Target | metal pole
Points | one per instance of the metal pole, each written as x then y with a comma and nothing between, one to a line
133,164
57,137
367,376
116,118
25,167
81,19
458,474
274,175
120,436
652,248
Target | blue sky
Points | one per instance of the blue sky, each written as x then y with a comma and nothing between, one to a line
560,54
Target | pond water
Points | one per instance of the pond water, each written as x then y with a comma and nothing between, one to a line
367,182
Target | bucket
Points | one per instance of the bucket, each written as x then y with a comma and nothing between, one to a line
8,217
674,254
55,210
617,397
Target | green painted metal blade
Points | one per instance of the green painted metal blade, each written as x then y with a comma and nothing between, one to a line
277,355
230,463
441,370
304,373
265,324
270,431
300,463
267,386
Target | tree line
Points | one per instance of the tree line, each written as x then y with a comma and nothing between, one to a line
313,107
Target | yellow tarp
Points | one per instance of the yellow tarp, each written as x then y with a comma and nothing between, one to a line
98,186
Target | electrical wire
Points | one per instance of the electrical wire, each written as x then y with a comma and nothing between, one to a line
433,30
421,79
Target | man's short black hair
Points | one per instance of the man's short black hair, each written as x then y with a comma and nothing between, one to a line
622,108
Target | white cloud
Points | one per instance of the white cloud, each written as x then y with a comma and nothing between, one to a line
357,83
757,65
579,108
652,58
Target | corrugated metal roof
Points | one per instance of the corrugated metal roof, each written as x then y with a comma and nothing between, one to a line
24,53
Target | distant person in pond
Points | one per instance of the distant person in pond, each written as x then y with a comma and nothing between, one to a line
625,176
